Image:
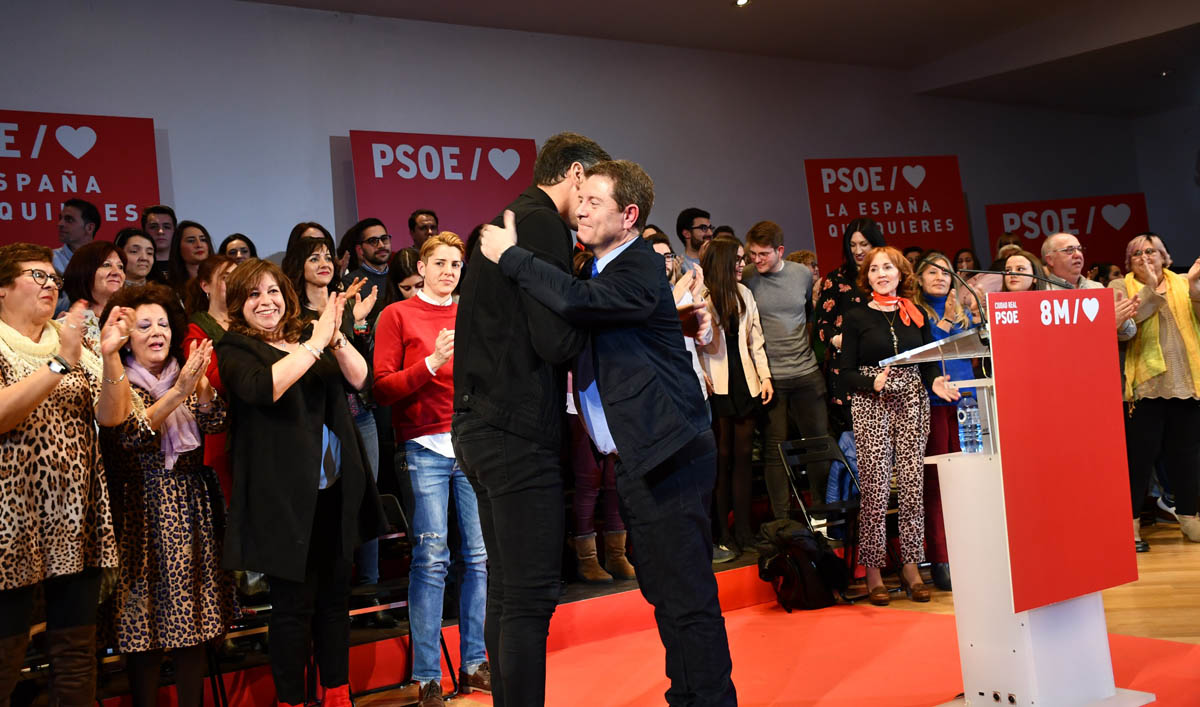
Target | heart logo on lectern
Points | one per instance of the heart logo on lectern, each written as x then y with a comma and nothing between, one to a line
1091,305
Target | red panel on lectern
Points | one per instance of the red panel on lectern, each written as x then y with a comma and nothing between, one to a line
1062,442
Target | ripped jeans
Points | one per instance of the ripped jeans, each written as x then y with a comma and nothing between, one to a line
433,478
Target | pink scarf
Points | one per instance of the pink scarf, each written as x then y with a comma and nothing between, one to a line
179,431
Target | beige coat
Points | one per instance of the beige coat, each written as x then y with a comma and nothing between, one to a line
714,356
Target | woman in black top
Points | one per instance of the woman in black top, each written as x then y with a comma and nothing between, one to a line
890,411
303,496
838,294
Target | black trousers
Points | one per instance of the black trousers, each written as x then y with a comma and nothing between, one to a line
666,513
518,483
70,601
312,617
1167,430
801,401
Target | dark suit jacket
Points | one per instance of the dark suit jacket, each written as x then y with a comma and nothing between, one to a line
651,399
276,458
510,350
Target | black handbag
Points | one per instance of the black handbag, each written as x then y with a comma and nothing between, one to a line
800,566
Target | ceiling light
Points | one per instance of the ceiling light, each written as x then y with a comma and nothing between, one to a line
1164,73
741,3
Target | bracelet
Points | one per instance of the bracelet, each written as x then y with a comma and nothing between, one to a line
316,354
110,381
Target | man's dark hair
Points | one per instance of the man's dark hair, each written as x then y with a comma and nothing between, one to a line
87,211
412,218
658,237
685,219
161,210
353,236
727,229
561,151
914,249
630,185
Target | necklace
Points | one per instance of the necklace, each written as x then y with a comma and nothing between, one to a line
892,328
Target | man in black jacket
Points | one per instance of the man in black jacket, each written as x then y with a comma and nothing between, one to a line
509,401
638,398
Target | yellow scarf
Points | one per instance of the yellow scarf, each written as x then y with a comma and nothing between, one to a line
1144,358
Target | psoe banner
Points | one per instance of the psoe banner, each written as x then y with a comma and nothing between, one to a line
47,158
466,180
1103,224
916,200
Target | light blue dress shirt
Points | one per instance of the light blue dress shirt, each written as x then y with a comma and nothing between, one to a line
585,376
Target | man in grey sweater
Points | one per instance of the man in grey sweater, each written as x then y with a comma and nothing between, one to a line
782,289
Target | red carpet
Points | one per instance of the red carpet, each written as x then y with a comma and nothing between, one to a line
837,657
605,652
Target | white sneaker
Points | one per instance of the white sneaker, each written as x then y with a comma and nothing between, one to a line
1169,510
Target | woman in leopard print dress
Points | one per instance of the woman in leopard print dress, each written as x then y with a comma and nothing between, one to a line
55,525
890,412
172,594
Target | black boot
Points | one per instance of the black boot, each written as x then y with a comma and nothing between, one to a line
941,575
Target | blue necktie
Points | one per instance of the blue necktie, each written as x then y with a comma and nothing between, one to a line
595,270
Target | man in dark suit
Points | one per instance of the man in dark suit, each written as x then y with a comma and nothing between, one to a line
509,399
639,399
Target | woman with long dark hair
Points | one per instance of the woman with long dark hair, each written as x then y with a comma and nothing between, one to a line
190,246
1017,268
172,594
736,363
890,413
238,246
839,293
299,508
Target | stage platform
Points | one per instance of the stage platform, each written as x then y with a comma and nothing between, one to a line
605,652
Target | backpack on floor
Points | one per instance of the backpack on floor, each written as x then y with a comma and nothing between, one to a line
800,566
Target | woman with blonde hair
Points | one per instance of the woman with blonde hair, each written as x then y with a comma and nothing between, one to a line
1162,379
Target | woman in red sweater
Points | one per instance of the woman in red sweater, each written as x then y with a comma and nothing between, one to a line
414,373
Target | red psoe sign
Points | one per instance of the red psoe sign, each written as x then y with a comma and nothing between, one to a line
1103,224
1062,436
47,158
916,200
466,180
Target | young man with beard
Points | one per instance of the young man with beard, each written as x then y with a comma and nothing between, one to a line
372,247
639,400
511,353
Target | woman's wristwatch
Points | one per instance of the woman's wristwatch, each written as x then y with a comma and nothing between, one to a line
59,365
338,343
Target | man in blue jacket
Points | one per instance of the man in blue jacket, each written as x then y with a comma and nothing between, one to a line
639,399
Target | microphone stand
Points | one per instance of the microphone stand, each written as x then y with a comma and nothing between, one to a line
983,328
1061,284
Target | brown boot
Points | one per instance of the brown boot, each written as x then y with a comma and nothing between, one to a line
588,568
72,653
12,655
614,555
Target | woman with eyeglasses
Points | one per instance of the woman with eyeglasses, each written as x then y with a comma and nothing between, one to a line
1162,380
57,530
95,273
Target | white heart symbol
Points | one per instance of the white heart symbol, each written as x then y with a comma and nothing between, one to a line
505,162
1091,305
77,141
1116,216
914,175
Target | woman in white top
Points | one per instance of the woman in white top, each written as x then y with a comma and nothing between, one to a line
741,383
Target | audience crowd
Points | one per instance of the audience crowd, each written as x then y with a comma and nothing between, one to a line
172,412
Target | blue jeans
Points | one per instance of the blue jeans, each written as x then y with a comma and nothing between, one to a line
434,477
366,557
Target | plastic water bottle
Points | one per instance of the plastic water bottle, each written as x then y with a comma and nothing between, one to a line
970,431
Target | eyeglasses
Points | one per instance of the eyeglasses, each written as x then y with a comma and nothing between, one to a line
706,227
758,255
375,241
668,256
1070,250
1144,253
41,277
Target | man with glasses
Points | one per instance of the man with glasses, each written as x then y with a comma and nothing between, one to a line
1062,255
422,224
694,227
372,250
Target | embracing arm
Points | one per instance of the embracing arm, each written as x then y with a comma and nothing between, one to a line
624,292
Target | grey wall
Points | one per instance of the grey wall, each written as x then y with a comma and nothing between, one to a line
250,101
1168,151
